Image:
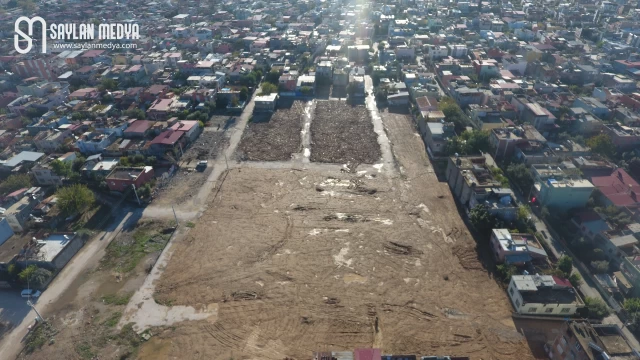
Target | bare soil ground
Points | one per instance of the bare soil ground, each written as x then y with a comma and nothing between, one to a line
300,261
181,187
82,324
206,146
273,137
342,133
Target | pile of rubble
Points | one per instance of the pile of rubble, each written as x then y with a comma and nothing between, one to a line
273,137
342,133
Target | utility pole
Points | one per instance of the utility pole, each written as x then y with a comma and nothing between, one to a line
34,309
135,192
225,160
174,215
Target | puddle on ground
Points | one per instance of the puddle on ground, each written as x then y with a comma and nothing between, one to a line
354,278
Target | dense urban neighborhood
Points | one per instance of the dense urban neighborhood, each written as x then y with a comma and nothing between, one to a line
320,179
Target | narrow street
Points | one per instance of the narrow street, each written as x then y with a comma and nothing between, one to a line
82,262
587,288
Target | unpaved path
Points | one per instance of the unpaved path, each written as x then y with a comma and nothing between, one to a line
87,257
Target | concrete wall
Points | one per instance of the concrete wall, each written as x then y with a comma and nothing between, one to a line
68,252
5,230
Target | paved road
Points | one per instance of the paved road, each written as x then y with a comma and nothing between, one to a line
83,261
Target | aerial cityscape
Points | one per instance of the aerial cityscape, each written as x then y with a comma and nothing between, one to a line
320,179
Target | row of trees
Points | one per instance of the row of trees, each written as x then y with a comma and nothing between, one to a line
453,113
468,143
32,276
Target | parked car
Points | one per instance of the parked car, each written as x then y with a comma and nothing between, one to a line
202,165
30,293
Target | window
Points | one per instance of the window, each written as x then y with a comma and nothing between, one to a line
578,347
565,310
517,303
548,310
511,291
533,309
563,340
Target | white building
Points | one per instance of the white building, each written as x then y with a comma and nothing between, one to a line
543,295
437,52
404,51
457,51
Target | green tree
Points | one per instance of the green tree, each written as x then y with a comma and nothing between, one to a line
575,279
544,212
235,102
520,176
453,113
506,271
481,219
107,84
476,141
27,273
272,76
523,213
600,266
135,113
61,168
499,175
40,277
248,80
565,264
306,90
15,182
75,199
632,305
268,88
597,308
244,93
602,145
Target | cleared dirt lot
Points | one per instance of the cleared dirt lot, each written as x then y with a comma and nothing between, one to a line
342,133
299,261
273,137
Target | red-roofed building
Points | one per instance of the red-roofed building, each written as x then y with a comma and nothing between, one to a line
84,94
168,140
154,92
619,188
160,109
190,128
121,178
562,282
138,129
367,354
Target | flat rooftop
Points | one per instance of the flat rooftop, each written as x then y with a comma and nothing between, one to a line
53,245
127,173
